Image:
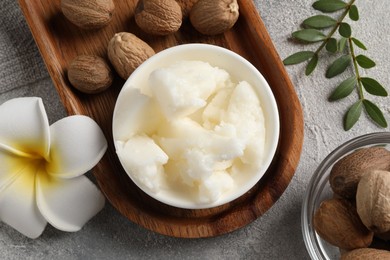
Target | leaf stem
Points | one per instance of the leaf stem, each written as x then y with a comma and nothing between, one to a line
356,67
334,29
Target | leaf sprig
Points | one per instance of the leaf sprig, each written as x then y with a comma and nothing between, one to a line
313,32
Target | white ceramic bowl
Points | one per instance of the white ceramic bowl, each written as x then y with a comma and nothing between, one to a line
239,69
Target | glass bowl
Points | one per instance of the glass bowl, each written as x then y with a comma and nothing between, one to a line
319,189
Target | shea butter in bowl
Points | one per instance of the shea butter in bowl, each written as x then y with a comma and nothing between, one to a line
196,126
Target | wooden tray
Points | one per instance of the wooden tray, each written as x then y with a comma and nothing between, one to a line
59,42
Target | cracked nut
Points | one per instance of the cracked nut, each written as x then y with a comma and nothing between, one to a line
90,74
366,253
88,14
373,201
337,222
212,17
347,172
126,52
158,17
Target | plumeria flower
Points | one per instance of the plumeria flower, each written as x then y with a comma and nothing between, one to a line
42,168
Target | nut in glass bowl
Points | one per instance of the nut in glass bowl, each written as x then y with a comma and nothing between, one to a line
319,189
183,122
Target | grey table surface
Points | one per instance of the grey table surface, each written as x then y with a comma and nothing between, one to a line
275,235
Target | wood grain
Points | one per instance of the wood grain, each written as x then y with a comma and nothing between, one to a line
59,42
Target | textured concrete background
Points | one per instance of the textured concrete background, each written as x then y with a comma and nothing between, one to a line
277,234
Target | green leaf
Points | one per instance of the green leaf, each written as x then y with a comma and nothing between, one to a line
345,30
298,57
359,43
320,22
311,65
344,89
338,66
365,62
354,13
375,113
329,6
342,43
373,87
352,115
331,45
309,35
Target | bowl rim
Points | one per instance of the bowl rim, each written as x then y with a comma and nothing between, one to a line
314,248
273,143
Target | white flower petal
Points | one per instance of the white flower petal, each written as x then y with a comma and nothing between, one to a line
18,206
68,204
11,167
77,145
24,126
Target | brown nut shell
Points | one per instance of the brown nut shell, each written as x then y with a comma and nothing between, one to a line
337,222
158,17
366,254
88,14
186,6
212,17
126,52
90,74
373,201
347,172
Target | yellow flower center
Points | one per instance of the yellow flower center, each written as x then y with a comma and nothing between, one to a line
26,166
